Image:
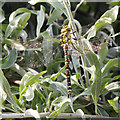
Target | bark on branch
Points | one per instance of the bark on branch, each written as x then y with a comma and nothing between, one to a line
60,116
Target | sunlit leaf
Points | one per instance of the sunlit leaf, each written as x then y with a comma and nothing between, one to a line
117,2
15,67
86,44
91,70
107,18
81,113
34,78
24,35
23,80
20,10
59,6
17,23
18,46
106,80
75,80
55,3
61,104
33,113
3,95
29,79
48,100
111,87
114,103
29,94
33,2
2,18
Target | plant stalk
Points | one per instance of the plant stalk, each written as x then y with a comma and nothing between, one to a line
66,4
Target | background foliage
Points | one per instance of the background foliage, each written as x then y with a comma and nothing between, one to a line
32,61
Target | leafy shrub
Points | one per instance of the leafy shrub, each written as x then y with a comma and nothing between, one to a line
46,90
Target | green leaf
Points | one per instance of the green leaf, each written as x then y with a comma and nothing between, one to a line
16,24
55,14
79,27
47,49
17,45
60,104
34,78
3,95
23,19
10,97
76,63
111,87
106,80
18,11
114,3
81,113
87,91
101,111
107,18
75,80
60,87
55,3
9,30
55,40
54,76
29,94
48,100
2,18
15,67
59,6
96,86
23,80
109,28
114,51
33,2
29,79
91,32
103,51
91,70
111,63
114,103
86,44
40,20
16,100
12,57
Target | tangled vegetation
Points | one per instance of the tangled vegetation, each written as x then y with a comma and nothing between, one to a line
32,71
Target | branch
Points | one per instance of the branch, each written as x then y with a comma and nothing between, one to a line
60,116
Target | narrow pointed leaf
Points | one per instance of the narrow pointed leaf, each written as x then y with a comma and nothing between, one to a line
111,63
40,20
55,14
